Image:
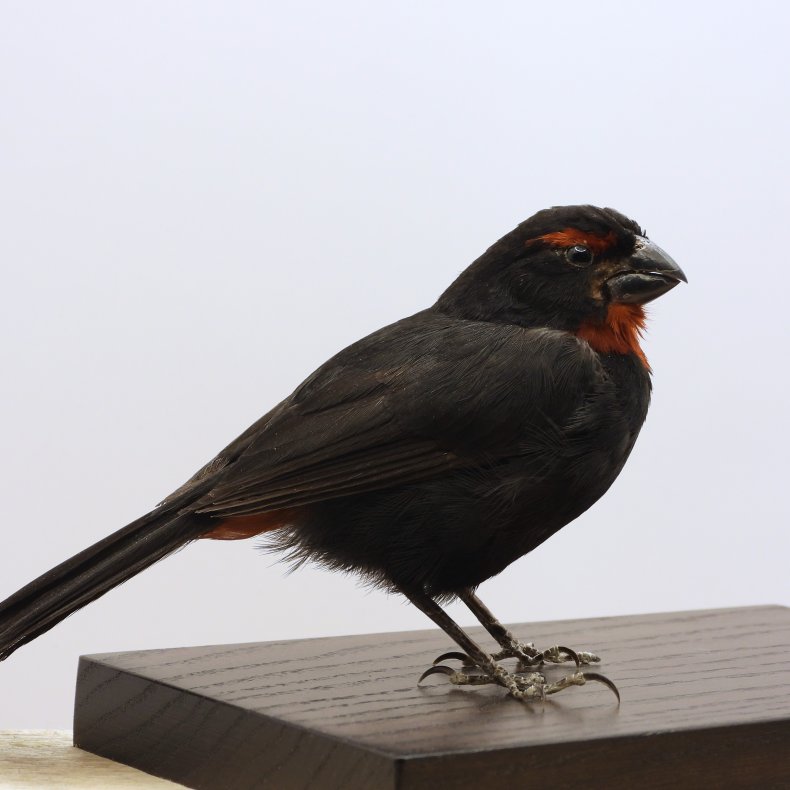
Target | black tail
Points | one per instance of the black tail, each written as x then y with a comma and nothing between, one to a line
46,601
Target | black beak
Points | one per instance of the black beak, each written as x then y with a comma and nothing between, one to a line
651,273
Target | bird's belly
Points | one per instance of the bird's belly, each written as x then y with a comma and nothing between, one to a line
529,508
458,530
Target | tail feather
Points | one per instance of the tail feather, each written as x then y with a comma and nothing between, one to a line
55,595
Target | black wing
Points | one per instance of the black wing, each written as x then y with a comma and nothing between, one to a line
413,400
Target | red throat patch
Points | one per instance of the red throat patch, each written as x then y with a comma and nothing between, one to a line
619,332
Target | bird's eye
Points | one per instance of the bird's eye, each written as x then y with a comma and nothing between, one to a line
579,255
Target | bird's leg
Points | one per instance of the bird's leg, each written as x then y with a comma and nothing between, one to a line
481,668
515,648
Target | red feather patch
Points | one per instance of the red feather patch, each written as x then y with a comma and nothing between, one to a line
619,332
570,237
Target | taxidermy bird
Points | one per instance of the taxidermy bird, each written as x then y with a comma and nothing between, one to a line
431,454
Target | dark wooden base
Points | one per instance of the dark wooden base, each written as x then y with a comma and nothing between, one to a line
705,704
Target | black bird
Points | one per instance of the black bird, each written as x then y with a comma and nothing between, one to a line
431,454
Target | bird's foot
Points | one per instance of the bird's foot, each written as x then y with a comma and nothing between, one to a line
529,656
524,686
557,654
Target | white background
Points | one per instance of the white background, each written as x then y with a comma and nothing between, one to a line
200,202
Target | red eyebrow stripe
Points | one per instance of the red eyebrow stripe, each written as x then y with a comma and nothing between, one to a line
571,237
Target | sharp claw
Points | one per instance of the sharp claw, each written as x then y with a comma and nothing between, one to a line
440,670
453,654
572,654
602,679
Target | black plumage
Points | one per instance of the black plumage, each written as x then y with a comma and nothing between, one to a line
431,454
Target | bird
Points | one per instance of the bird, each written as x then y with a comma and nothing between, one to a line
433,453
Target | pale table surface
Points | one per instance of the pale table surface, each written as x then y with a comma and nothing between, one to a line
46,758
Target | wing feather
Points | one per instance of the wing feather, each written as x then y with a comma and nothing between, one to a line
421,398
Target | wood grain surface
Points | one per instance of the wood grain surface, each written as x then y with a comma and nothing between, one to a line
35,759
705,703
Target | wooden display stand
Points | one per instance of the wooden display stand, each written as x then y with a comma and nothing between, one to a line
705,704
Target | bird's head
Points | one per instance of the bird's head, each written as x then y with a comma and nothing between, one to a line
581,269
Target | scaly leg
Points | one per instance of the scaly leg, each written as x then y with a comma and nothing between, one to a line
515,648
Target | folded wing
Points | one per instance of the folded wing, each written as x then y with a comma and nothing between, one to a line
418,399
